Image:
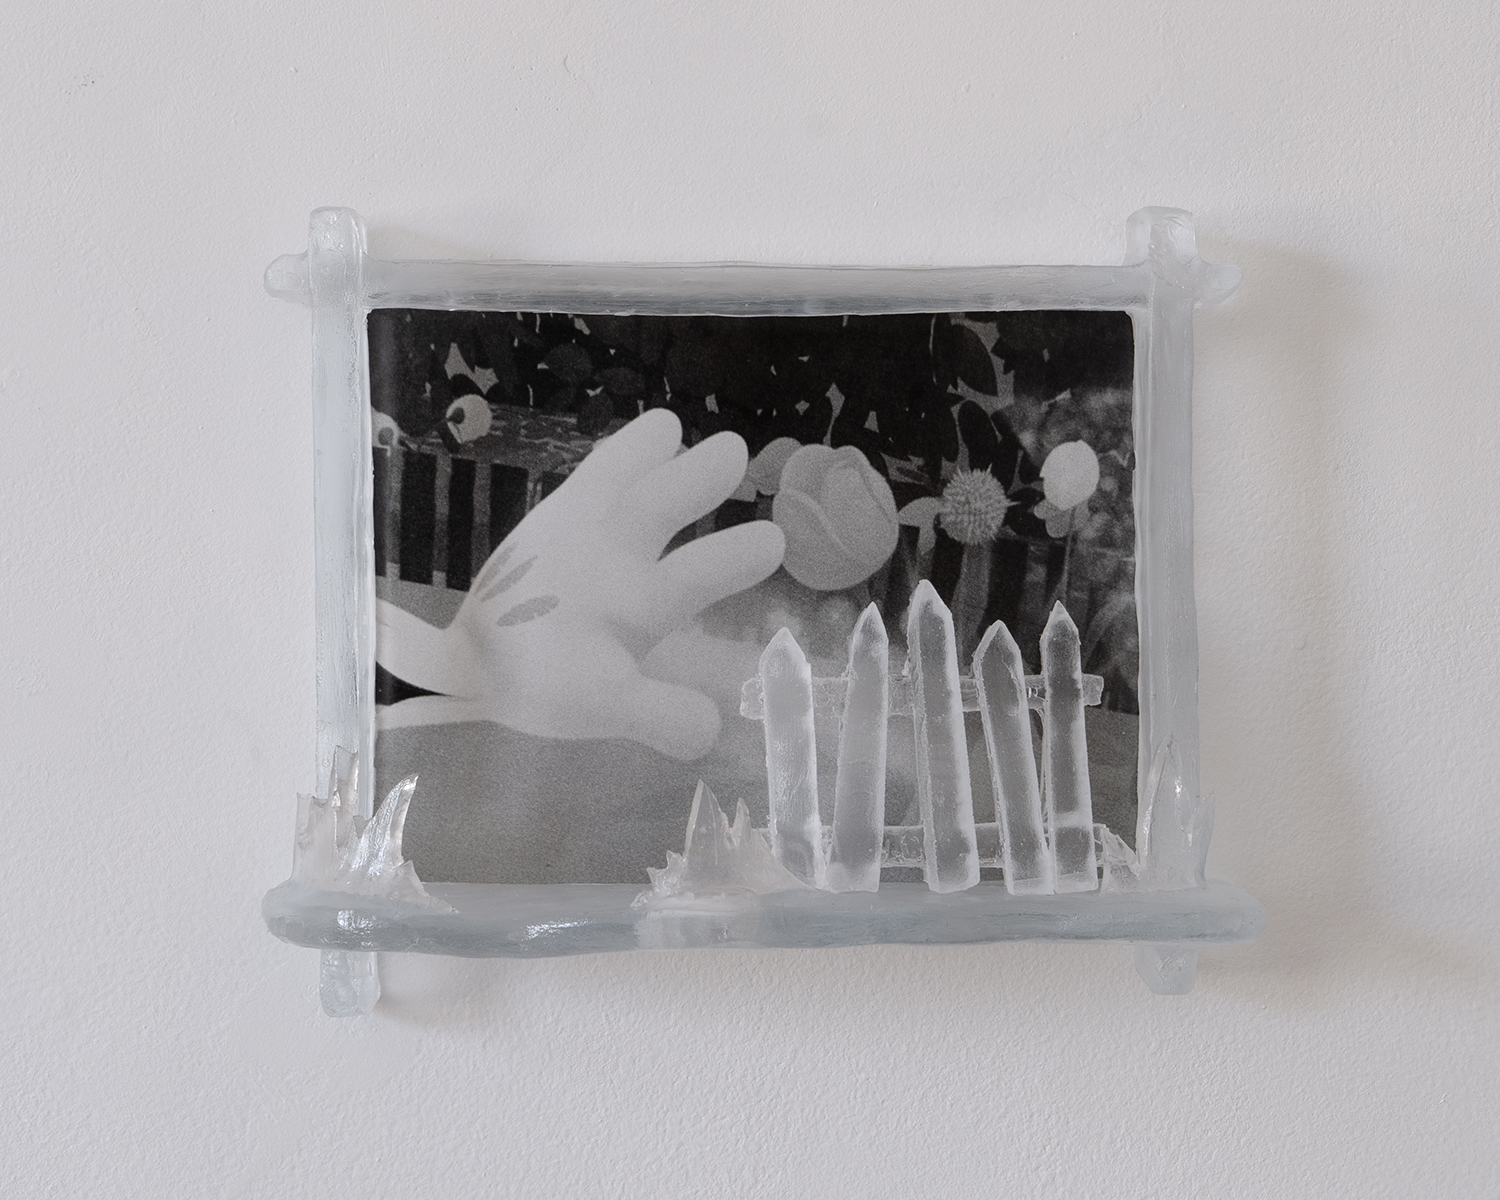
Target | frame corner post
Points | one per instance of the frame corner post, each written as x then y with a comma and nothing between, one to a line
348,982
341,494
343,544
1167,970
1165,240
1165,600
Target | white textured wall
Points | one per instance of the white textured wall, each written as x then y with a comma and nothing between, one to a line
156,607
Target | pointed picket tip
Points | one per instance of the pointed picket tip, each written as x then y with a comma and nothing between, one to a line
869,638
1059,616
1059,635
925,596
927,605
869,621
783,638
782,647
997,638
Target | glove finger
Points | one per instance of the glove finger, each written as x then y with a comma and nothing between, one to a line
708,569
628,454
677,493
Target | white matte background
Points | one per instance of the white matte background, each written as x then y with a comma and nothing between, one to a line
156,608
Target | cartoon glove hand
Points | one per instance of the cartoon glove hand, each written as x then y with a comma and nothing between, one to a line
550,637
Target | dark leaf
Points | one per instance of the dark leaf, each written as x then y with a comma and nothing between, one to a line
970,361
814,421
849,426
439,392
868,444
496,341
623,333
622,381
979,437
398,376
1050,352
594,415
570,362
1012,464
693,366
564,400
1020,519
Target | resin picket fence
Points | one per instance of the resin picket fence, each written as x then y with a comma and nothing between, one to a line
1043,836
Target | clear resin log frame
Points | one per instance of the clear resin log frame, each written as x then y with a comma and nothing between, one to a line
800,881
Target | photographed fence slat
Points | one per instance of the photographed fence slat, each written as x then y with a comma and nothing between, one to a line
462,494
859,792
509,489
395,469
1065,758
944,793
1001,681
380,506
479,544
418,511
442,482
792,760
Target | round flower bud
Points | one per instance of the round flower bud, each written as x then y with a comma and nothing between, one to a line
839,517
1070,474
974,505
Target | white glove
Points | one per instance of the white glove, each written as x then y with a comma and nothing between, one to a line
550,637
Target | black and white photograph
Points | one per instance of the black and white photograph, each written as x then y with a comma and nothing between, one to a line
587,529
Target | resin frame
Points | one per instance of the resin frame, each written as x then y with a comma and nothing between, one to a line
1160,284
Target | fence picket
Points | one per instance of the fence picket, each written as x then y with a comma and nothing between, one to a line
1065,758
944,793
792,759
859,790
1001,681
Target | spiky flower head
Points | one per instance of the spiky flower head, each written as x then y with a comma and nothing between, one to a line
974,504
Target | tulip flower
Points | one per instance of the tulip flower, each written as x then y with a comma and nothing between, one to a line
839,517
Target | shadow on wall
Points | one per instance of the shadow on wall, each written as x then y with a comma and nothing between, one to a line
1277,710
